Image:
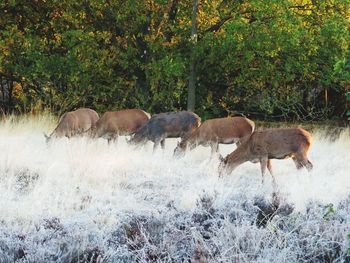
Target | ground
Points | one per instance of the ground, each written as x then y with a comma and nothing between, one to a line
84,200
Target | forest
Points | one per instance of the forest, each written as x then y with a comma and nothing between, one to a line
270,60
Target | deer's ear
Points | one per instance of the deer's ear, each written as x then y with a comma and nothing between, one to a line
46,136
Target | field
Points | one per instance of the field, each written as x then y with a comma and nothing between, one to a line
81,200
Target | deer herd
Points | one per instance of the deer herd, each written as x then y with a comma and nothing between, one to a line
253,146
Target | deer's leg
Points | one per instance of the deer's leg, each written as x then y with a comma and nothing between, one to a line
308,165
214,148
269,167
263,166
107,136
305,161
157,141
155,146
110,138
297,162
302,161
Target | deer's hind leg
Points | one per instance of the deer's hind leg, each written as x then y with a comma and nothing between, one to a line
112,138
297,163
263,166
266,163
309,165
214,149
301,160
269,167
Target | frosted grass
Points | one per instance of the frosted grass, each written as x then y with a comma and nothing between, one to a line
84,200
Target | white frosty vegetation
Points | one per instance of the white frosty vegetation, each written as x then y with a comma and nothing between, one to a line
82,200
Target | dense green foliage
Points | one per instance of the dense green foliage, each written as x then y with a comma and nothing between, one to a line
286,59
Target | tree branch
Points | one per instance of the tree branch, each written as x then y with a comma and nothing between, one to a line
218,25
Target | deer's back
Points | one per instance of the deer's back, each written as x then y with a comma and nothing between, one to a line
124,121
174,124
85,118
225,128
168,124
281,142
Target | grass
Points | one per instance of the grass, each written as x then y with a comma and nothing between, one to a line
81,200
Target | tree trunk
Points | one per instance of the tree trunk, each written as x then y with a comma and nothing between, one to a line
10,91
191,98
3,106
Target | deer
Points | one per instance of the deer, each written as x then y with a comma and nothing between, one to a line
113,124
217,131
262,146
74,123
166,125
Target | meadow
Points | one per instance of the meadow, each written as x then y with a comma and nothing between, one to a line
83,200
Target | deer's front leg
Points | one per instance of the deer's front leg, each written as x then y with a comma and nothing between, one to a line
155,145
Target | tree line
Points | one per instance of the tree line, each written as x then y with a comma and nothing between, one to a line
271,59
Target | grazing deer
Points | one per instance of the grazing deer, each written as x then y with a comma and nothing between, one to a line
73,123
166,125
212,132
123,122
262,146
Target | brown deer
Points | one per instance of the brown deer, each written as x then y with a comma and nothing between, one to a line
262,146
74,123
212,132
123,122
166,125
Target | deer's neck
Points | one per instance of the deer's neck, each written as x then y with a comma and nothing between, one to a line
190,139
240,155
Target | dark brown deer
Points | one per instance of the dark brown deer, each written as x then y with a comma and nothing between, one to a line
166,125
215,131
74,123
262,146
115,123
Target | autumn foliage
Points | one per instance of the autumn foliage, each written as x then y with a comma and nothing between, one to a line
273,59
